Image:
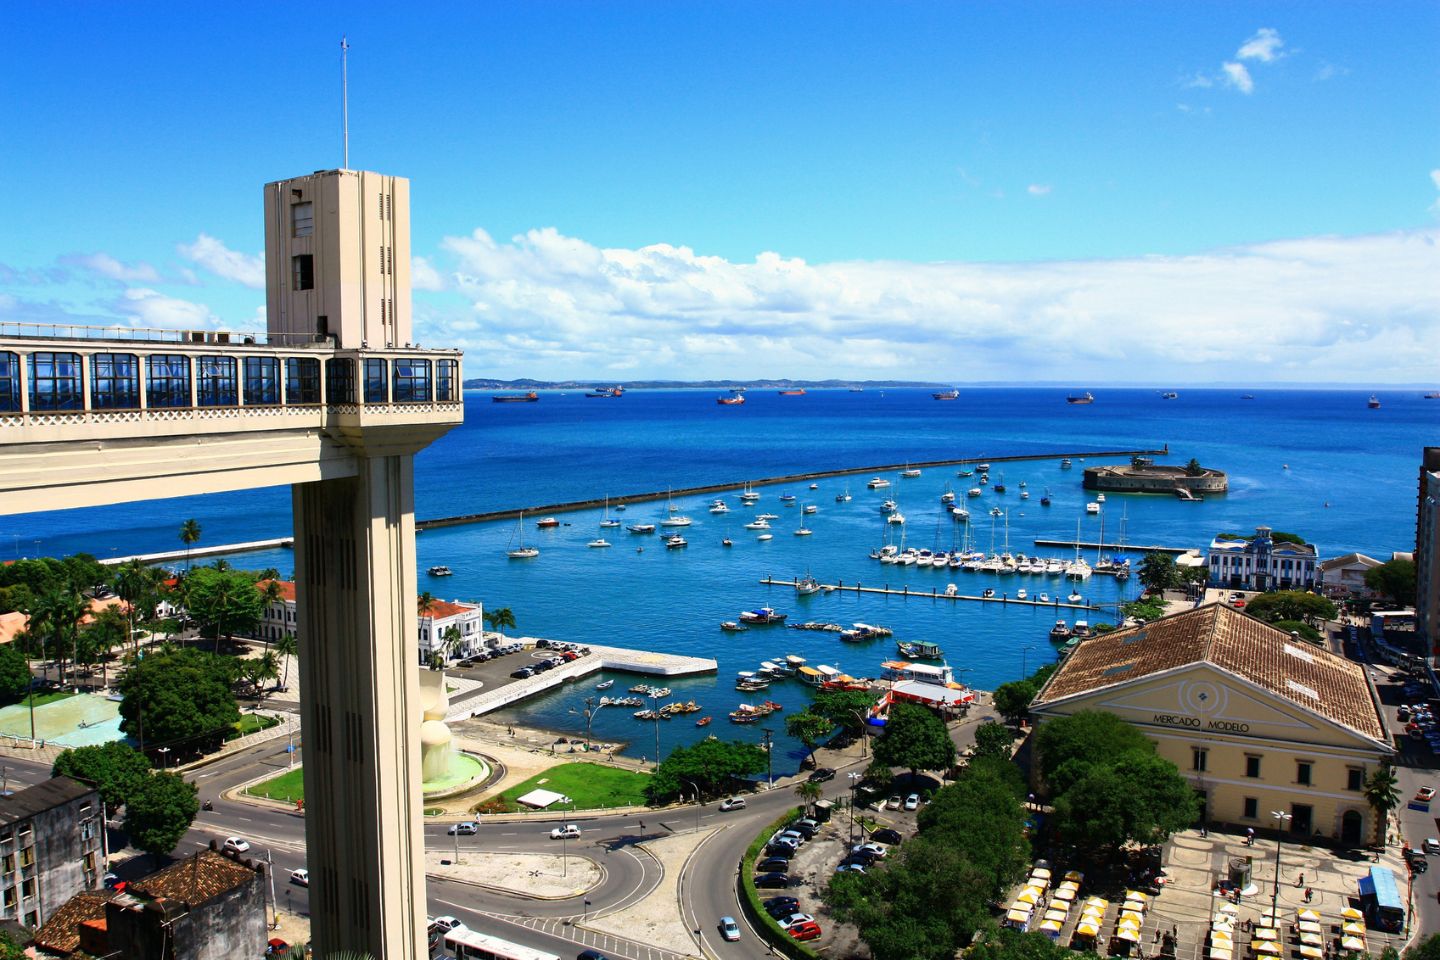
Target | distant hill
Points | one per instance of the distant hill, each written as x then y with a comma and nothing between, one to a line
526,384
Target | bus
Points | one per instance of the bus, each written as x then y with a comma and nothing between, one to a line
466,944
1380,898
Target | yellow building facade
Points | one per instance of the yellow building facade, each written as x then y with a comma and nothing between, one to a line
1258,722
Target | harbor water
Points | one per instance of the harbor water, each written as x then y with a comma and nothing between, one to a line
1316,463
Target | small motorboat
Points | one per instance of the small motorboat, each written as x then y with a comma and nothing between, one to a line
730,626
727,542
703,722
1075,598
641,528
604,684
1021,594
676,542
1060,632
989,593
766,536
598,542
546,523
814,486
763,615
440,572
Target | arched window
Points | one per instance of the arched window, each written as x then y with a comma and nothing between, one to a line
114,381
55,382
215,382
167,380
262,381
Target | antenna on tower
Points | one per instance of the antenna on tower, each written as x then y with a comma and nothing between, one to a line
345,96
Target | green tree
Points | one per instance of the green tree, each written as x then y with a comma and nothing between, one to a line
809,728
498,619
1427,949
174,696
1396,580
981,814
14,674
710,764
808,791
451,641
103,634
1193,468
916,739
10,949
55,617
1305,631
287,646
994,740
1382,792
845,709
1008,944
1067,746
116,769
1013,699
160,811
1158,572
1139,797
1292,605
189,535
224,601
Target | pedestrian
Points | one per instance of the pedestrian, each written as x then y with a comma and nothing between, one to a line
1308,894
1175,931
1300,880
1157,934
1249,836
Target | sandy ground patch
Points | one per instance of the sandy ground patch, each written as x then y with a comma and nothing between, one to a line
656,919
541,875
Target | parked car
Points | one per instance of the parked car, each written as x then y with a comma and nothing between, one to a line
732,803
773,865
806,830
522,673
1417,861
789,921
893,803
465,828
301,877
772,881
781,848
729,929
887,836
236,845
568,832
1432,845
1403,714
781,906
591,955
848,867
446,923
1425,794
805,931
912,802
821,775
863,857
874,849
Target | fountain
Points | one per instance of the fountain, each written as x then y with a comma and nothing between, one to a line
444,770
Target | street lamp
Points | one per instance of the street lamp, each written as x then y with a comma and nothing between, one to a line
163,751
1024,661
860,715
855,779
697,800
1281,817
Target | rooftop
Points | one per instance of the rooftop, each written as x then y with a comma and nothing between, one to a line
43,796
1310,677
196,879
61,933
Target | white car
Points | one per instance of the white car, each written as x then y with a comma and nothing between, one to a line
729,929
878,851
236,845
465,828
447,923
787,922
567,832
300,877
732,803
912,802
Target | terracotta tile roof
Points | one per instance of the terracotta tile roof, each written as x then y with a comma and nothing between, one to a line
442,609
61,933
195,879
287,589
11,625
1313,679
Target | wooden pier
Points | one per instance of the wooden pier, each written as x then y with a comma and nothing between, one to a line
936,594
1117,547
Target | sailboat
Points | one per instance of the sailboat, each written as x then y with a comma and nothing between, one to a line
1077,569
843,497
675,518
607,522
521,552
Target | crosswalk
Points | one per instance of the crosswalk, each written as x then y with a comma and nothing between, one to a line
566,928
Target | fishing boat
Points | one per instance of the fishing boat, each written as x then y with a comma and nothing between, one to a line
951,394
1085,397
809,508
1060,632
547,523
1373,403
730,626
916,650
530,397
807,585
440,572
520,551
641,528
1082,629
703,722
843,497
734,400
604,684
598,543
762,615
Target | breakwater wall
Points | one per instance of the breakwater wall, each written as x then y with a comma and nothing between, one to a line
512,513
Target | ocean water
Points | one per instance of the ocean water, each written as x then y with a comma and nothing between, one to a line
1317,463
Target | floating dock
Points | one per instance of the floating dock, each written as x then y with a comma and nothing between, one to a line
935,594
1114,547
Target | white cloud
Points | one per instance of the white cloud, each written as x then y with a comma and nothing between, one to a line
1200,81
1263,46
150,308
547,305
1038,189
423,276
213,255
1435,179
1237,76
112,269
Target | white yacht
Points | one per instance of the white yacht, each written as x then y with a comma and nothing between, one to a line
600,542
1092,507
878,483
676,520
758,524
896,517
719,506
974,492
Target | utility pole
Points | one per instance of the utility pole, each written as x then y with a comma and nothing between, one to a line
270,871
769,761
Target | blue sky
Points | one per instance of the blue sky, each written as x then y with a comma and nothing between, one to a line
951,191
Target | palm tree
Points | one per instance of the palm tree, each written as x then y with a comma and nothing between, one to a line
131,581
500,619
189,535
57,611
287,646
424,605
272,597
268,667
451,640
107,632
1383,795
808,792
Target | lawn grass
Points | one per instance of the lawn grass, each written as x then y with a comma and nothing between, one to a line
288,787
40,699
591,785
250,723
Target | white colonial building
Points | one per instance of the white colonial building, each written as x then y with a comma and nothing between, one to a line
435,622
1260,563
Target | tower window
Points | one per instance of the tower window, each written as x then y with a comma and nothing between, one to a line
302,272
302,219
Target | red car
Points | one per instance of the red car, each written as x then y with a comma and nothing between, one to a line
805,931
